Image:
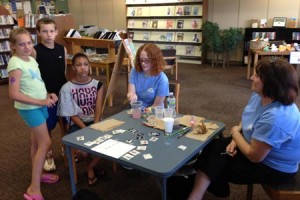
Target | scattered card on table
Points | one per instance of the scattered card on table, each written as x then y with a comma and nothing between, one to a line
182,147
144,142
118,131
147,156
128,156
89,143
153,139
134,152
80,138
141,148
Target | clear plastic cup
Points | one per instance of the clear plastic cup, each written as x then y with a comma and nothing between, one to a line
159,112
136,107
168,112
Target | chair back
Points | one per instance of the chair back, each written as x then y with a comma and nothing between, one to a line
170,58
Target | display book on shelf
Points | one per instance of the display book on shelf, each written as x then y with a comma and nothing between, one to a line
6,25
288,35
171,24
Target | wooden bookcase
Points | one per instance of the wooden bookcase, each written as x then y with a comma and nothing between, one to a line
170,24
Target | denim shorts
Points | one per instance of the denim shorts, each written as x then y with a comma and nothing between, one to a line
34,117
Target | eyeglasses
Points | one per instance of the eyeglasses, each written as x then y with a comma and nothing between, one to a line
146,61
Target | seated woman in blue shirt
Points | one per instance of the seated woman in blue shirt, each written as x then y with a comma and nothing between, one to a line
265,147
147,81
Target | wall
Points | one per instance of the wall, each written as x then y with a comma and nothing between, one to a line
109,14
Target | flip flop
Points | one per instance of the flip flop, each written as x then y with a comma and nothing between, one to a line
92,181
49,178
33,196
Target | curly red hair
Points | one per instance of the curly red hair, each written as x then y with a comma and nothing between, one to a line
155,57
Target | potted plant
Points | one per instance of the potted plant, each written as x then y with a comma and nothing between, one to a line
219,41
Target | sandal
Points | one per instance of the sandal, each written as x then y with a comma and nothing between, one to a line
33,196
49,178
92,181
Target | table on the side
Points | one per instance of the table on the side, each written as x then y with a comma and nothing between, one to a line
167,157
260,52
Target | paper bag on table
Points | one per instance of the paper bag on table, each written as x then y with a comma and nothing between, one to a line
106,125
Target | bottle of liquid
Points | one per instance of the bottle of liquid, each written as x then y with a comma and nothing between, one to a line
172,103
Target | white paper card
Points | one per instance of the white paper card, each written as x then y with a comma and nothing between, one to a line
113,148
295,57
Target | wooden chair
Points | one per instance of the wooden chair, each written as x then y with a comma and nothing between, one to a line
170,58
286,191
175,88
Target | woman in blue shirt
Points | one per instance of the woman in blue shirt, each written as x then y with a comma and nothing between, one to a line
265,147
147,81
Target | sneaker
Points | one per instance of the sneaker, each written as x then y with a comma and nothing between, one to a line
49,164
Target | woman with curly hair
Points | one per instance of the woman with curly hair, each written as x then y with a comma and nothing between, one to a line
147,81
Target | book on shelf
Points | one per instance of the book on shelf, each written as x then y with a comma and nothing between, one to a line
170,47
179,10
131,34
189,50
170,24
187,10
139,11
180,37
170,11
180,23
145,23
154,23
296,36
169,37
130,23
196,10
162,37
73,33
132,11
146,36
109,35
194,24
196,37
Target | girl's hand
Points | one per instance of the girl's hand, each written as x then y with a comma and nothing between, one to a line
231,148
53,97
131,97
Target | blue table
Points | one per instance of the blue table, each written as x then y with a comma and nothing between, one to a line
167,157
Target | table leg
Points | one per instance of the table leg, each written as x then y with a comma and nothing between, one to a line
255,62
249,63
71,171
164,189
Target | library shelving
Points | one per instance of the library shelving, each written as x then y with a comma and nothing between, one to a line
171,24
288,35
6,25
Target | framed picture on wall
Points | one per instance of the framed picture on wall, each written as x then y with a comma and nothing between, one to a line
279,21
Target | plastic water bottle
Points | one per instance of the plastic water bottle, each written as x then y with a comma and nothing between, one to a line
171,100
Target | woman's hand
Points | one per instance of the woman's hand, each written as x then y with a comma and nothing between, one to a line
231,148
131,97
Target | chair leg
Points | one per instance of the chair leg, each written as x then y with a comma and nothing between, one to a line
249,191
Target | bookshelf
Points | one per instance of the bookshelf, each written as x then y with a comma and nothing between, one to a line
6,25
171,24
289,35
